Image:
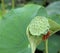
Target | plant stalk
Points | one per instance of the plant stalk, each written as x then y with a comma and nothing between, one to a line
13,4
46,46
3,6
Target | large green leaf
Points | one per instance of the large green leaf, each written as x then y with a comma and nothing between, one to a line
54,14
50,1
53,8
54,11
13,26
53,44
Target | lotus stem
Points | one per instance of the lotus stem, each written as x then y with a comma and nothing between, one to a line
13,4
3,6
46,46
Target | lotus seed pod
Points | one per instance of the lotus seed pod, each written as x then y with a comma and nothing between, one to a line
39,26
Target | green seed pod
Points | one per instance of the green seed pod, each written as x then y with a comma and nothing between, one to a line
38,26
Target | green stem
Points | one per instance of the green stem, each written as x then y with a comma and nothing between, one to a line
3,6
46,46
13,4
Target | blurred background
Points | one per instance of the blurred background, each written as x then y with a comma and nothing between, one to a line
18,3
6,5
